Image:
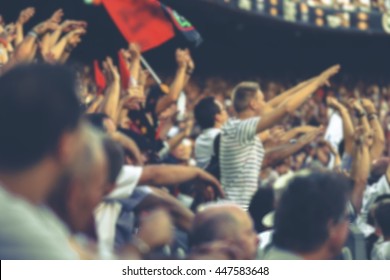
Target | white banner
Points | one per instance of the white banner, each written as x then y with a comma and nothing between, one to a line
208,270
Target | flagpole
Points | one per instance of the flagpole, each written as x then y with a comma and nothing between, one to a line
181,102
151,71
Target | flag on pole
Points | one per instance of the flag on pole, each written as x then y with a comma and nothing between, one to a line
141,21
149,22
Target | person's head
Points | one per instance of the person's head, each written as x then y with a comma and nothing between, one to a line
261,204
224,223
247,97
82,187
102,121
39,117
183,151
311,218
210,113
378,169
382,218
283,166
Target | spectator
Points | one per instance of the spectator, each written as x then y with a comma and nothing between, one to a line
38,101
226,223
211,116
241,150
311,221
381,250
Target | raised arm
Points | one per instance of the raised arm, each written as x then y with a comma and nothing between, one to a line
24,17
177,84
111,100
129,145
277,100
348,128
163,175
63,48
360,168
277,153
296,131
135,66
25,52
182,216
378,144
293,102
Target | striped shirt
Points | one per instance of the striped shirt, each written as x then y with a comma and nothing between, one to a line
240,159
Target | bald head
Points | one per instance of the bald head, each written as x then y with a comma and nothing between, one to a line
226,222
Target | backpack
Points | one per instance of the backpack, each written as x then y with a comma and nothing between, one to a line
214,167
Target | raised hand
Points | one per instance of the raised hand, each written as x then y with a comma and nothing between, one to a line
111,70
44,27
57,16
135,91
311,136
210,180
332,102
133,102
327,74
135,50
181,58
69,25
369,106
25,15
356,105
190,61
143,77
74,37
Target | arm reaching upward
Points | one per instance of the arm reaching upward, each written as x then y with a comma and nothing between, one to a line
293,102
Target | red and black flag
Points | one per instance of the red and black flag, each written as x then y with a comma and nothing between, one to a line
149,22
184,26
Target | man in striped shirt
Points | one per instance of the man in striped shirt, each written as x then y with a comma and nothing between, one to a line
241,150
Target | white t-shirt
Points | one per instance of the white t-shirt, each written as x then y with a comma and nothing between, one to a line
30,232
265,238
370,195
334,132
106,214
241,156
381,250
204,146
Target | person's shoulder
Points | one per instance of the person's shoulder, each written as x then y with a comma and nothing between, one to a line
275,253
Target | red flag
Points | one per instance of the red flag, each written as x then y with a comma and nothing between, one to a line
124,71
99,77
141,21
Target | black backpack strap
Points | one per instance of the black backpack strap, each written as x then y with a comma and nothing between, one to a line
217,142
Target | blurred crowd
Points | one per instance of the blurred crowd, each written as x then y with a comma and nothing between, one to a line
352,6
110,164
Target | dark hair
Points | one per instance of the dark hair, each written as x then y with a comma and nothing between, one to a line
306,207
211,228
115,157
382,217
38,103
205,112
261,204
378,169
97,120
243,94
